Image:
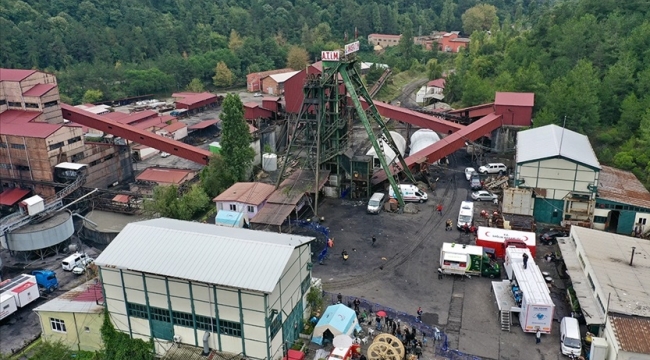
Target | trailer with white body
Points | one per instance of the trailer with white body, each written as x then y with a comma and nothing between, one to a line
17,293
531,293
516,255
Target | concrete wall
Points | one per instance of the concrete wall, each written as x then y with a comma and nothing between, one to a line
239,207
82,330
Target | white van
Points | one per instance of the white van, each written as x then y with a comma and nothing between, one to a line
466,214
410,193
570,342
375,203
72,261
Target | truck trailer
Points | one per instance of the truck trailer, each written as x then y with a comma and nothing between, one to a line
17,293
467,260
500,239
532,296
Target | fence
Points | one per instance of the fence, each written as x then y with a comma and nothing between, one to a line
430,333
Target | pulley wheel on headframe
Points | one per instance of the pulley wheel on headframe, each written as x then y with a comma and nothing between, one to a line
386,347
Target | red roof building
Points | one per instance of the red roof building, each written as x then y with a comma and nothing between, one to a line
438,83
166,176
254,80
39,90
253,111
194,101
204,124
15,74
516,108
452,42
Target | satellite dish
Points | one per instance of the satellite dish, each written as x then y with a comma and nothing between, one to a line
342,341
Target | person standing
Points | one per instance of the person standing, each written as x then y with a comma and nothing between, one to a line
374,240
538,336
439,209
440,274
339,298
419,312
525,258
357,302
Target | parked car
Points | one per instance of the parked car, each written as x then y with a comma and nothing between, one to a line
468,173
493,168
258,94
550,238
164,154
475,182
81,268
483,195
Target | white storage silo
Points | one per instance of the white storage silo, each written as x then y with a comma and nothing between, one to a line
269,162
389,154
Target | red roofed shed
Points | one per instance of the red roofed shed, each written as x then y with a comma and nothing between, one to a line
14,74
166,176
271,103
516,108
194,101
254,111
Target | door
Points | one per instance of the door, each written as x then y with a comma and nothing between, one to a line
292,325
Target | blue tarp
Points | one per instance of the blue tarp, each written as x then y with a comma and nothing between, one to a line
229,218
338,319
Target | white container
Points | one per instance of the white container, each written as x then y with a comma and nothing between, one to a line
33,205
598,349
269,162
7,305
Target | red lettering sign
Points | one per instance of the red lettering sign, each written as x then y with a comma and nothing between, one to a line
330,55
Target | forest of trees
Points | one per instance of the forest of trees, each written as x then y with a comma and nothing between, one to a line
126,48
588,63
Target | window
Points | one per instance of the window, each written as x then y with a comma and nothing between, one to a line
276,325
591,282
31,105
230,328
18,146
582,261
14,104
5,166
159,314
251,208
3,145
22,168
51,103
206,323
56,146
57,325
305,284
3,102
137,310
183,319
642,221
233,207
74,140
600,219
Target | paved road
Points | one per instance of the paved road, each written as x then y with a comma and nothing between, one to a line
400,272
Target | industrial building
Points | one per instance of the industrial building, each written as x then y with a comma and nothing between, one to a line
151,177
74,318
254,80
622,203
34,138
181,283
248,197
196,102
274,84
561,168
610,275
384,40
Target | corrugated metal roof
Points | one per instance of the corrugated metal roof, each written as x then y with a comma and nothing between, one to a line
19,123
553,141
273,214
232,257
165,175
280,78
253,193
632,333
14,74
203,124
191,99
175,126
86,298
39,90
12,196
514,99
622,186
608,257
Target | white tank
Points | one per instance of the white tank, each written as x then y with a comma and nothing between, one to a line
423,138
269,162
389,154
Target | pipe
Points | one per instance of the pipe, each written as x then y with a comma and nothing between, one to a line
86,219
632,258
90,193
206,346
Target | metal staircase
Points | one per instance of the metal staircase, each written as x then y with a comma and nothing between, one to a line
506,321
